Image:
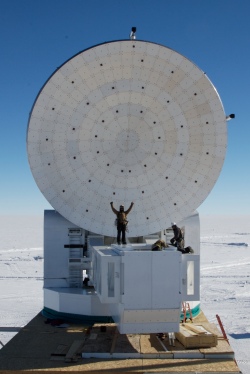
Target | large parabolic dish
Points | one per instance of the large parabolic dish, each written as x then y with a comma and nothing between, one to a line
127,121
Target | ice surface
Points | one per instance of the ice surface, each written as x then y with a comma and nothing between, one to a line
225,279
225,275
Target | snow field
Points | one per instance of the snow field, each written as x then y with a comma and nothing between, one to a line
225,275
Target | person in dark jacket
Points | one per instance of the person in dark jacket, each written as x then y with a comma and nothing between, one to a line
121,222
178,239
159,245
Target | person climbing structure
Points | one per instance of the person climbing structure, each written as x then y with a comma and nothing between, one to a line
178,239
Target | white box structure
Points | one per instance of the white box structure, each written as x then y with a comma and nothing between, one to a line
145,289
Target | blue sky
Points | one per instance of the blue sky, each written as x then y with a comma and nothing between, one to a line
37,36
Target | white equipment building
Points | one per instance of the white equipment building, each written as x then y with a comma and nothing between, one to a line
124,121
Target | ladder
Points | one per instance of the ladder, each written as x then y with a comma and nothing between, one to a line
185,308
75,252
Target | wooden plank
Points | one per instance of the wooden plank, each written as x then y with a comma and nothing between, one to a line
194,328
71,355
187,332
61,348
60,353
114,341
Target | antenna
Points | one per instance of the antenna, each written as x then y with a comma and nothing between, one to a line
122,139
132,34
230,116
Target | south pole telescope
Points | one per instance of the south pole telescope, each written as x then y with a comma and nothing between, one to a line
126,121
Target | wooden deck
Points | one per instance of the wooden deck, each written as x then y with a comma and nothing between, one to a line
46,348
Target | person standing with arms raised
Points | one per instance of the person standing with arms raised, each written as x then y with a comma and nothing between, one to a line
121,222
